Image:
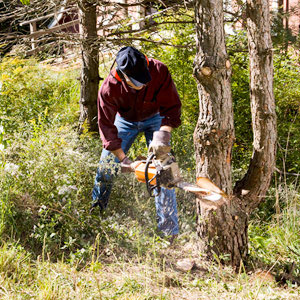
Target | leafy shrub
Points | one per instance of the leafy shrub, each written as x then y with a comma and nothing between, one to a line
43,180
29,89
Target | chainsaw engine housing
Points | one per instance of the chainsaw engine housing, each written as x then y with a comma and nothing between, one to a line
158,173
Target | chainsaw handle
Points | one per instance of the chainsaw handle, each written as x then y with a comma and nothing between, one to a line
131,168
148,182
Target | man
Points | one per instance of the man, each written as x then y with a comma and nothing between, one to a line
138,96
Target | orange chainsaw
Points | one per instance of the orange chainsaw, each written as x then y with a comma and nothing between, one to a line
157,173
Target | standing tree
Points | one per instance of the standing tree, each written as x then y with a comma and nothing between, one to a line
90,64
223,227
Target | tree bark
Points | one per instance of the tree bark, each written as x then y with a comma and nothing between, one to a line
214,133
253,187
90,64
223,230
223,227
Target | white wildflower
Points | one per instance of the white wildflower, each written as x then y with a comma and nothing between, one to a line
72,152
11,168
42,208
1,129
66,189
2,148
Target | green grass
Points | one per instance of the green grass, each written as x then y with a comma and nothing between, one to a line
150,276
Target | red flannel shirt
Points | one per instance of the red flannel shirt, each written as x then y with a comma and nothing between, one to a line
159,95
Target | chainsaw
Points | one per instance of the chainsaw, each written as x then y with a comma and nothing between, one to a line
157,173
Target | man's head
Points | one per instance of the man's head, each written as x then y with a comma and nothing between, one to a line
133,65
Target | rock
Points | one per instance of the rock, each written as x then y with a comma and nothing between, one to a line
263,276
185,265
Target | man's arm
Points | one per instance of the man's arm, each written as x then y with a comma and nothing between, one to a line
107,110
119,153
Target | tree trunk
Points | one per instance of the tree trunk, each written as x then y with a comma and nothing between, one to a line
280,11
90,64
223,227
223,230
214,133
255,184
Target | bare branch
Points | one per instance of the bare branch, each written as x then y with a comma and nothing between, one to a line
116,28
150,41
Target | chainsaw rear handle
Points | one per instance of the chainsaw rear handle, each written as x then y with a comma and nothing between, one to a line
151,180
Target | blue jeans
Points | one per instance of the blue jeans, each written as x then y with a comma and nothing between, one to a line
165,202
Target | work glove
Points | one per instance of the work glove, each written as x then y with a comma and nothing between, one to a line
127,165
160,145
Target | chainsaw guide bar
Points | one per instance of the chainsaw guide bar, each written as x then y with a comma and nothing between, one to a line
201,192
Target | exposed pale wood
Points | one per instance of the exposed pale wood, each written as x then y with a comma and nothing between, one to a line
206,71
32,31
53,29
228,64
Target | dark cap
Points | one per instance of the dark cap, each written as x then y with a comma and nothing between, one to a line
134,64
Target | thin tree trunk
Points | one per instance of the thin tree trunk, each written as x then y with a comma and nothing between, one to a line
253,187
90,64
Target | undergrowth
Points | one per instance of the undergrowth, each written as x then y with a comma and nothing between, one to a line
53,248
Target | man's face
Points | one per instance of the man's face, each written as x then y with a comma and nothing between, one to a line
128,81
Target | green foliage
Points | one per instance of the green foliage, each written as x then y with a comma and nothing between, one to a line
28,90
277,241
287,95
237,50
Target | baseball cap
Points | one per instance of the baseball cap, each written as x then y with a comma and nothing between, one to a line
134,64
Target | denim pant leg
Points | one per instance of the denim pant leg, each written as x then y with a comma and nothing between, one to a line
165,202
109,164
108,167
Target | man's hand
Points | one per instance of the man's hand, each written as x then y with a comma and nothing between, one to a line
127,165
160,144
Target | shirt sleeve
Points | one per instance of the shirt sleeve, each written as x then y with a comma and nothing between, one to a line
168,100
107,110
